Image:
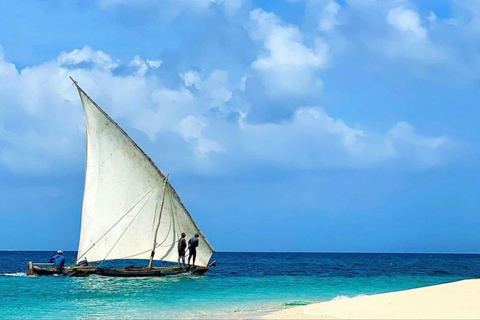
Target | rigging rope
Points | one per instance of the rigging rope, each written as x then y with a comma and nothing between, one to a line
83,255
59,94
173,223
125,229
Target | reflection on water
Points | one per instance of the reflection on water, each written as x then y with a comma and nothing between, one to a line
103,285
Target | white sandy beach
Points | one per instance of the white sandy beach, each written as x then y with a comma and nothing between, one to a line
457,300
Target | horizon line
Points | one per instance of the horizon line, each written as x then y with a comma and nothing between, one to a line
301,252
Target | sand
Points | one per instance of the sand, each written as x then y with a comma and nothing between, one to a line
456,300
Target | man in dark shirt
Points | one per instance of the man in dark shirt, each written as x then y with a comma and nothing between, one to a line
182,245
192,248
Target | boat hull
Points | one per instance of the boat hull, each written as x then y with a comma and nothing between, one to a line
151,272
75,271
83,271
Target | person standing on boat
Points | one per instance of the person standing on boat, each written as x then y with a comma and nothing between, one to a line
182,245
58,260
192,248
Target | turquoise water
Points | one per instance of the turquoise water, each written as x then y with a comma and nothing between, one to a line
241,283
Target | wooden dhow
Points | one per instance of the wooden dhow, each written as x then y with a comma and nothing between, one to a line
130,210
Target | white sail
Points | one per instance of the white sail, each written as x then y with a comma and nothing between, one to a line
122,199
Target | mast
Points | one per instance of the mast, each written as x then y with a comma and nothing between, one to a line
158,224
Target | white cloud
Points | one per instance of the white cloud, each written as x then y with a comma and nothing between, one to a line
41,126
39,129
313,139
154,63
142,66
7,70
407,20
192,127
394,30
287,65
427,150
169,107
179,110
191,78
328,16
284,44
216,88
87,57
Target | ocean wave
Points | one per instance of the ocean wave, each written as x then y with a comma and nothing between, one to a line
15,274
343,297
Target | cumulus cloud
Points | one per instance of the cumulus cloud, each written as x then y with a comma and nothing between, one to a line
313,139
328,16
31,135
392,29
86,58
191,78
191,127
215,87
187,110
287,64
142,65
429,151
407,20
283,43
169,107
41,126
205,115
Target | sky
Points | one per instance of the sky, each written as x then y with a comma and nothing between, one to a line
289,125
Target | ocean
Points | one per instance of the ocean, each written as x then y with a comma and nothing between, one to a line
241,283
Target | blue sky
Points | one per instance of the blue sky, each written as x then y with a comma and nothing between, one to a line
307,125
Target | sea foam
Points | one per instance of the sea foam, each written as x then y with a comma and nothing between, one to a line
343,297
15,274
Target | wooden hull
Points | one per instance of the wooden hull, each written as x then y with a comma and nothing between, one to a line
50,271
75,271
151,272
80,271
83,271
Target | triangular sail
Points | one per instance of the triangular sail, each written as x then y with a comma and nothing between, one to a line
123,192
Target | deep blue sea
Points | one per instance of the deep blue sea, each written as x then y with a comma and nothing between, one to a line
241,283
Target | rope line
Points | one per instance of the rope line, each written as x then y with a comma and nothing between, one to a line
146,251
116,223
59,94
173,222
126,229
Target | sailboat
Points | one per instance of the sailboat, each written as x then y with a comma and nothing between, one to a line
130,209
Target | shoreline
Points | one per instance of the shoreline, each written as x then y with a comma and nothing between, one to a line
453,300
